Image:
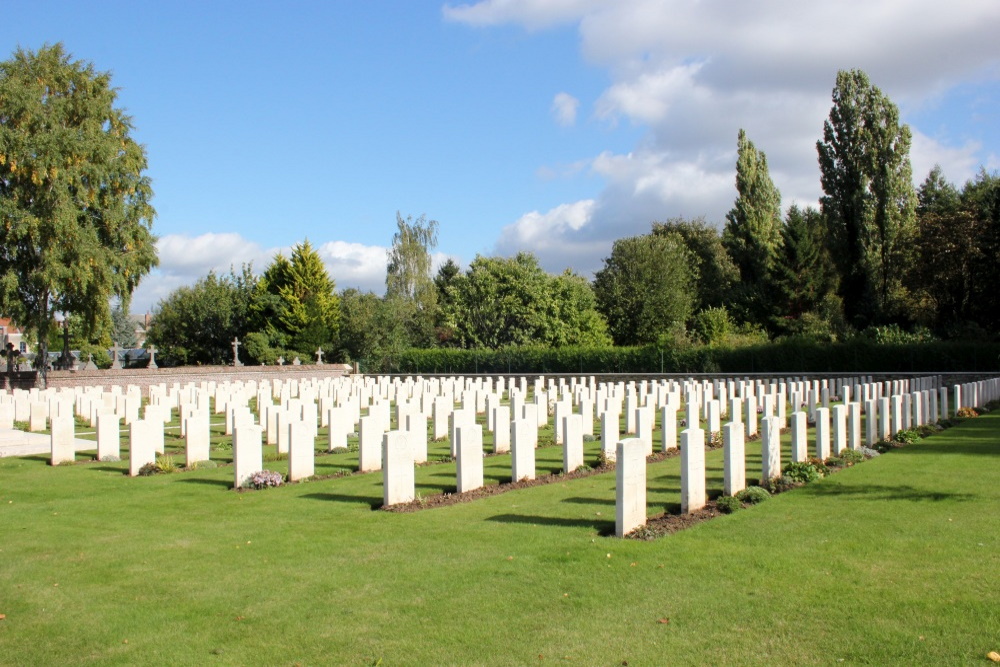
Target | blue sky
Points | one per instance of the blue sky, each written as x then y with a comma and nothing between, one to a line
553,126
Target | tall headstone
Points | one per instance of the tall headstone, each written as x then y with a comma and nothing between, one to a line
196,437
248,452
398,485
140,449
630,487
770,449
301,451
734,456
610,427
838,431
572,442
501,429
108,436
522,443
800,442
469,459
692,470
853,425
668,431
370,444
822,433
61,440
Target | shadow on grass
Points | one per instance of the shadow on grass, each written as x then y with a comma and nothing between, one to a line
603,527
227,484
108,469
881,493
588,501
371,501
443,488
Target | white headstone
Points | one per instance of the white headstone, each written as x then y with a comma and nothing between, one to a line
770,449
301,451
692,470
523,435
469,459
630,488
398,484
734,457
248,452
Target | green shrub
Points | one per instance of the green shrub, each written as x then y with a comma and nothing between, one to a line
781,484
165,464
728,504
966,413
588,437
149,469
275,456
835,462
852,456
753,495
340,450
798,471
204,465
907,436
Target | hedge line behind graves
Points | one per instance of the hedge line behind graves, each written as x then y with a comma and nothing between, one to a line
789,356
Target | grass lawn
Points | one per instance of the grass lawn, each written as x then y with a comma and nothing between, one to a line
895,561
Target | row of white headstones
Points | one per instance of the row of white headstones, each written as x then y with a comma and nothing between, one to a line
453,403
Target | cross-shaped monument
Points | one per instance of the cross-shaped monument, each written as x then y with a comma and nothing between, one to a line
319,356
236,352
152,357
116,362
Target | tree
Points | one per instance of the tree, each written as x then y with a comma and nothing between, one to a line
804,275
295,304
511,301
936,194
408,276
75,212
443,282
870,203
573,316
122,328
647,288
499,302
196,324
753,227
716,272
953,280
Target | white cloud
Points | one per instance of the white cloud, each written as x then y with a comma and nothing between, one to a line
957,163
564,108
532,15
355,265
185,259
694,73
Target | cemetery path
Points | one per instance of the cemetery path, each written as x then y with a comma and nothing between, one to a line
22,443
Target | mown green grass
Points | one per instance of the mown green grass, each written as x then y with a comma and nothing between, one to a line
894,561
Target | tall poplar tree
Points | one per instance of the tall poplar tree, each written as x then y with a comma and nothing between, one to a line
870,203
752,235
75,213
753,227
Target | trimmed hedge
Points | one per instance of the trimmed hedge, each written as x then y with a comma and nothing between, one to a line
789,356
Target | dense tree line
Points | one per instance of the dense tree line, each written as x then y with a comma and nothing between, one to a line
879,258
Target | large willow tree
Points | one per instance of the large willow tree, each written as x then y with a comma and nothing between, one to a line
75,213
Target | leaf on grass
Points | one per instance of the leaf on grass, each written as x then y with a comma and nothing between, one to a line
994,656
3,616
663,621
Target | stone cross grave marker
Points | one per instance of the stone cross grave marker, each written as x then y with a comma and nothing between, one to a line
236,352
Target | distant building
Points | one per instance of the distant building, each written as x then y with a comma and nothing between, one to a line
13,334
141,323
